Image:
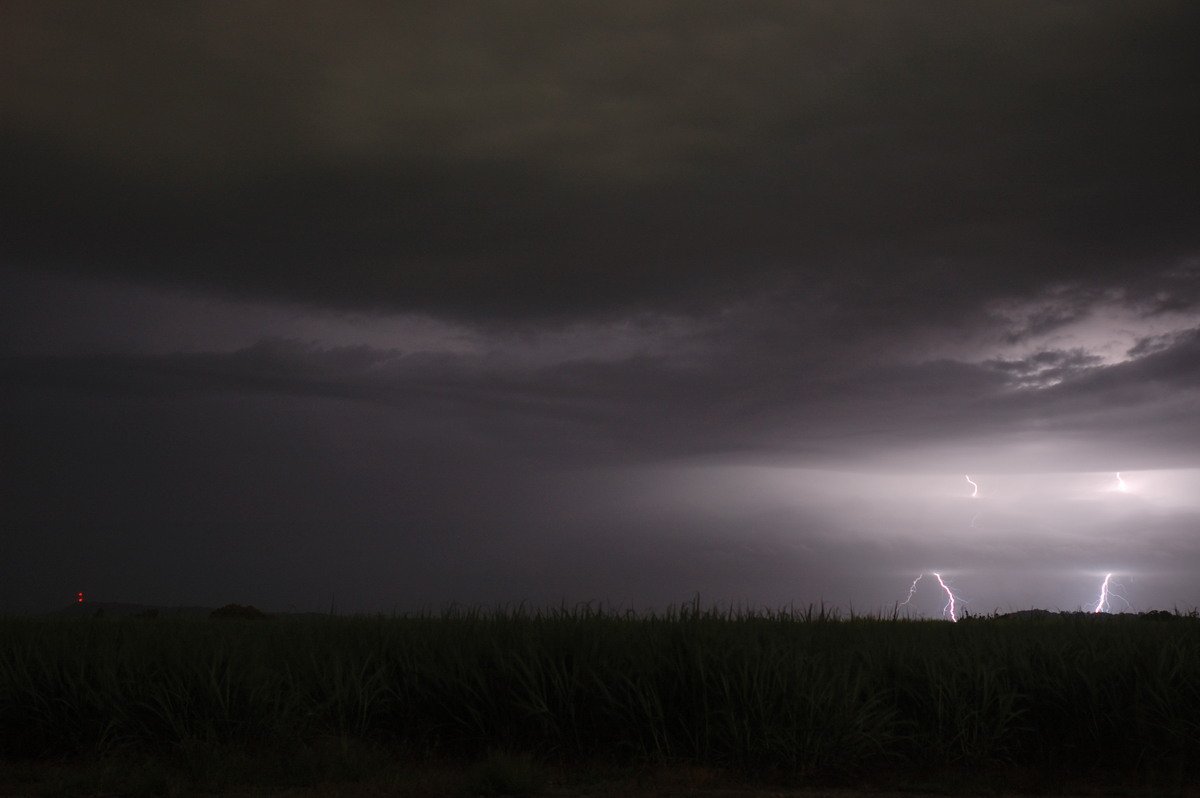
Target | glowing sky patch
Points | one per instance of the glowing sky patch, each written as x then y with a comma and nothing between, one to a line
1069,524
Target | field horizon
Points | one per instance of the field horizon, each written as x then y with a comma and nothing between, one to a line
120,609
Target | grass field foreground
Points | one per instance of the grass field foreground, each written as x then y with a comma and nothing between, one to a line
788,693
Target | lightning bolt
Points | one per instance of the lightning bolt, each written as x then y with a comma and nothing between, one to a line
911,590
1121,486
1102,604
975,494
1105,593
949,609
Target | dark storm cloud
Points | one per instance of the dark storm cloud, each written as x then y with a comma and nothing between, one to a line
626,300
1047,367
538,159
645,409
1167,371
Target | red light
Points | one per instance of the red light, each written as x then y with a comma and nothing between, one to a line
78,598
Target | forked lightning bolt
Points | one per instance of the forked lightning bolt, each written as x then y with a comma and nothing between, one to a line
1106,593
949,609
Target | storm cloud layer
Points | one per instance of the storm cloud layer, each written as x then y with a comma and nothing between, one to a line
598,301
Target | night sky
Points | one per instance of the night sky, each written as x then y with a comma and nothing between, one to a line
396,305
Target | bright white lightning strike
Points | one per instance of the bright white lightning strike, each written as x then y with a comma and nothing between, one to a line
949,608
1106,593
1121,486
974,494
